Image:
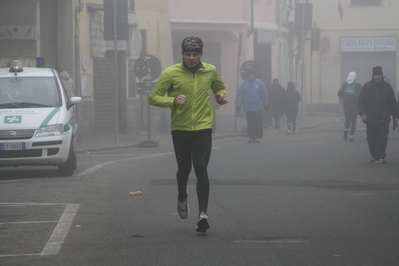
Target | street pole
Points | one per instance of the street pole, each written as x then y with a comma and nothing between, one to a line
311,79
303,60
321,84
116,77
237,80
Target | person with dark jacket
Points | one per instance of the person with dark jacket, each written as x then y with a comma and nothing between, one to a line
292,98
348,95
252,94
276,98
376,105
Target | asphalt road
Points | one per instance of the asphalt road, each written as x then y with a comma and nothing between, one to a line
308,199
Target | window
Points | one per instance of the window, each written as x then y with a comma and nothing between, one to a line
365,2
35,90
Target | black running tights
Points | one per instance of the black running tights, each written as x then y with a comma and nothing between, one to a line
193,148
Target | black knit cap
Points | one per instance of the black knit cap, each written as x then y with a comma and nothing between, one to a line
377,71
192,44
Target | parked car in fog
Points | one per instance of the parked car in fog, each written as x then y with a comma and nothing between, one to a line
37,119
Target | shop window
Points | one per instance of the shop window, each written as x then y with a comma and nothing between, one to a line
365,2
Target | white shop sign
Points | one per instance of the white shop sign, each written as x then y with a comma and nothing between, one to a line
17,32
368,44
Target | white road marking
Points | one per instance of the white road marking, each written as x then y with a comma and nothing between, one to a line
29,222
55,241
13,204
98,166
53,245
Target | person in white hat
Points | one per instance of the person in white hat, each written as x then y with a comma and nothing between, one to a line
348,96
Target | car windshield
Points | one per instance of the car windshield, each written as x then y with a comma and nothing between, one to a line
28,92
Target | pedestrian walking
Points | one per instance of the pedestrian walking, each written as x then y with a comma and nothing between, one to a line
276,99
186,89
252,94
376,105
348,95
292,99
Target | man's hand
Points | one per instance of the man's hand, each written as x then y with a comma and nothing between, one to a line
221,98
266,108
180,100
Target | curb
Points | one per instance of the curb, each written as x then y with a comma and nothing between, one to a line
127,146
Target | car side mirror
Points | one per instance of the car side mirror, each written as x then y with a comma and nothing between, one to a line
74,100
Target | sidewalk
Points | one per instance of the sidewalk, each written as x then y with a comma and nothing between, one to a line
110,141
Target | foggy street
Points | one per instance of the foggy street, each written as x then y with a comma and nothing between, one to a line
91,92
310,199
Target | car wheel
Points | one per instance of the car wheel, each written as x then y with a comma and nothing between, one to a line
67,168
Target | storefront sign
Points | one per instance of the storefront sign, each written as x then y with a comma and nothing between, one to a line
265,37
121,45
368,44
15,32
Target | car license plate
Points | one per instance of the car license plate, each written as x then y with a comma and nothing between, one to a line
15,146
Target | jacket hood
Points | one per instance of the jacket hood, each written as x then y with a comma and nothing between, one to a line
351,77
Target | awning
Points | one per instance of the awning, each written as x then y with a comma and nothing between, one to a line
94,7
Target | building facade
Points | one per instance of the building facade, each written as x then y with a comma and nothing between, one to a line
355,36
234,32
69,35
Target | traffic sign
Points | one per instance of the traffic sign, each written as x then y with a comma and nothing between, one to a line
324,44
147,68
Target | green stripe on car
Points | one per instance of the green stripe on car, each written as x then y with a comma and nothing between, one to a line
50,116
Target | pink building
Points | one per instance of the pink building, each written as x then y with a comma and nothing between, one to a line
219,24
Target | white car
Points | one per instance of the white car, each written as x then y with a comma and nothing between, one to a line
37,119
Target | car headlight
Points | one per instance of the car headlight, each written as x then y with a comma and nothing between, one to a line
52,130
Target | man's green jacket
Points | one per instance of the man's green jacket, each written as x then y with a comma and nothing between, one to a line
197,113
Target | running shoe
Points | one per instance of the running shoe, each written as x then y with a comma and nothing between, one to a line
203,223
380,161
351,138
182,208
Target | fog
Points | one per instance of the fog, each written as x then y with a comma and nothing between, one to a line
298,186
